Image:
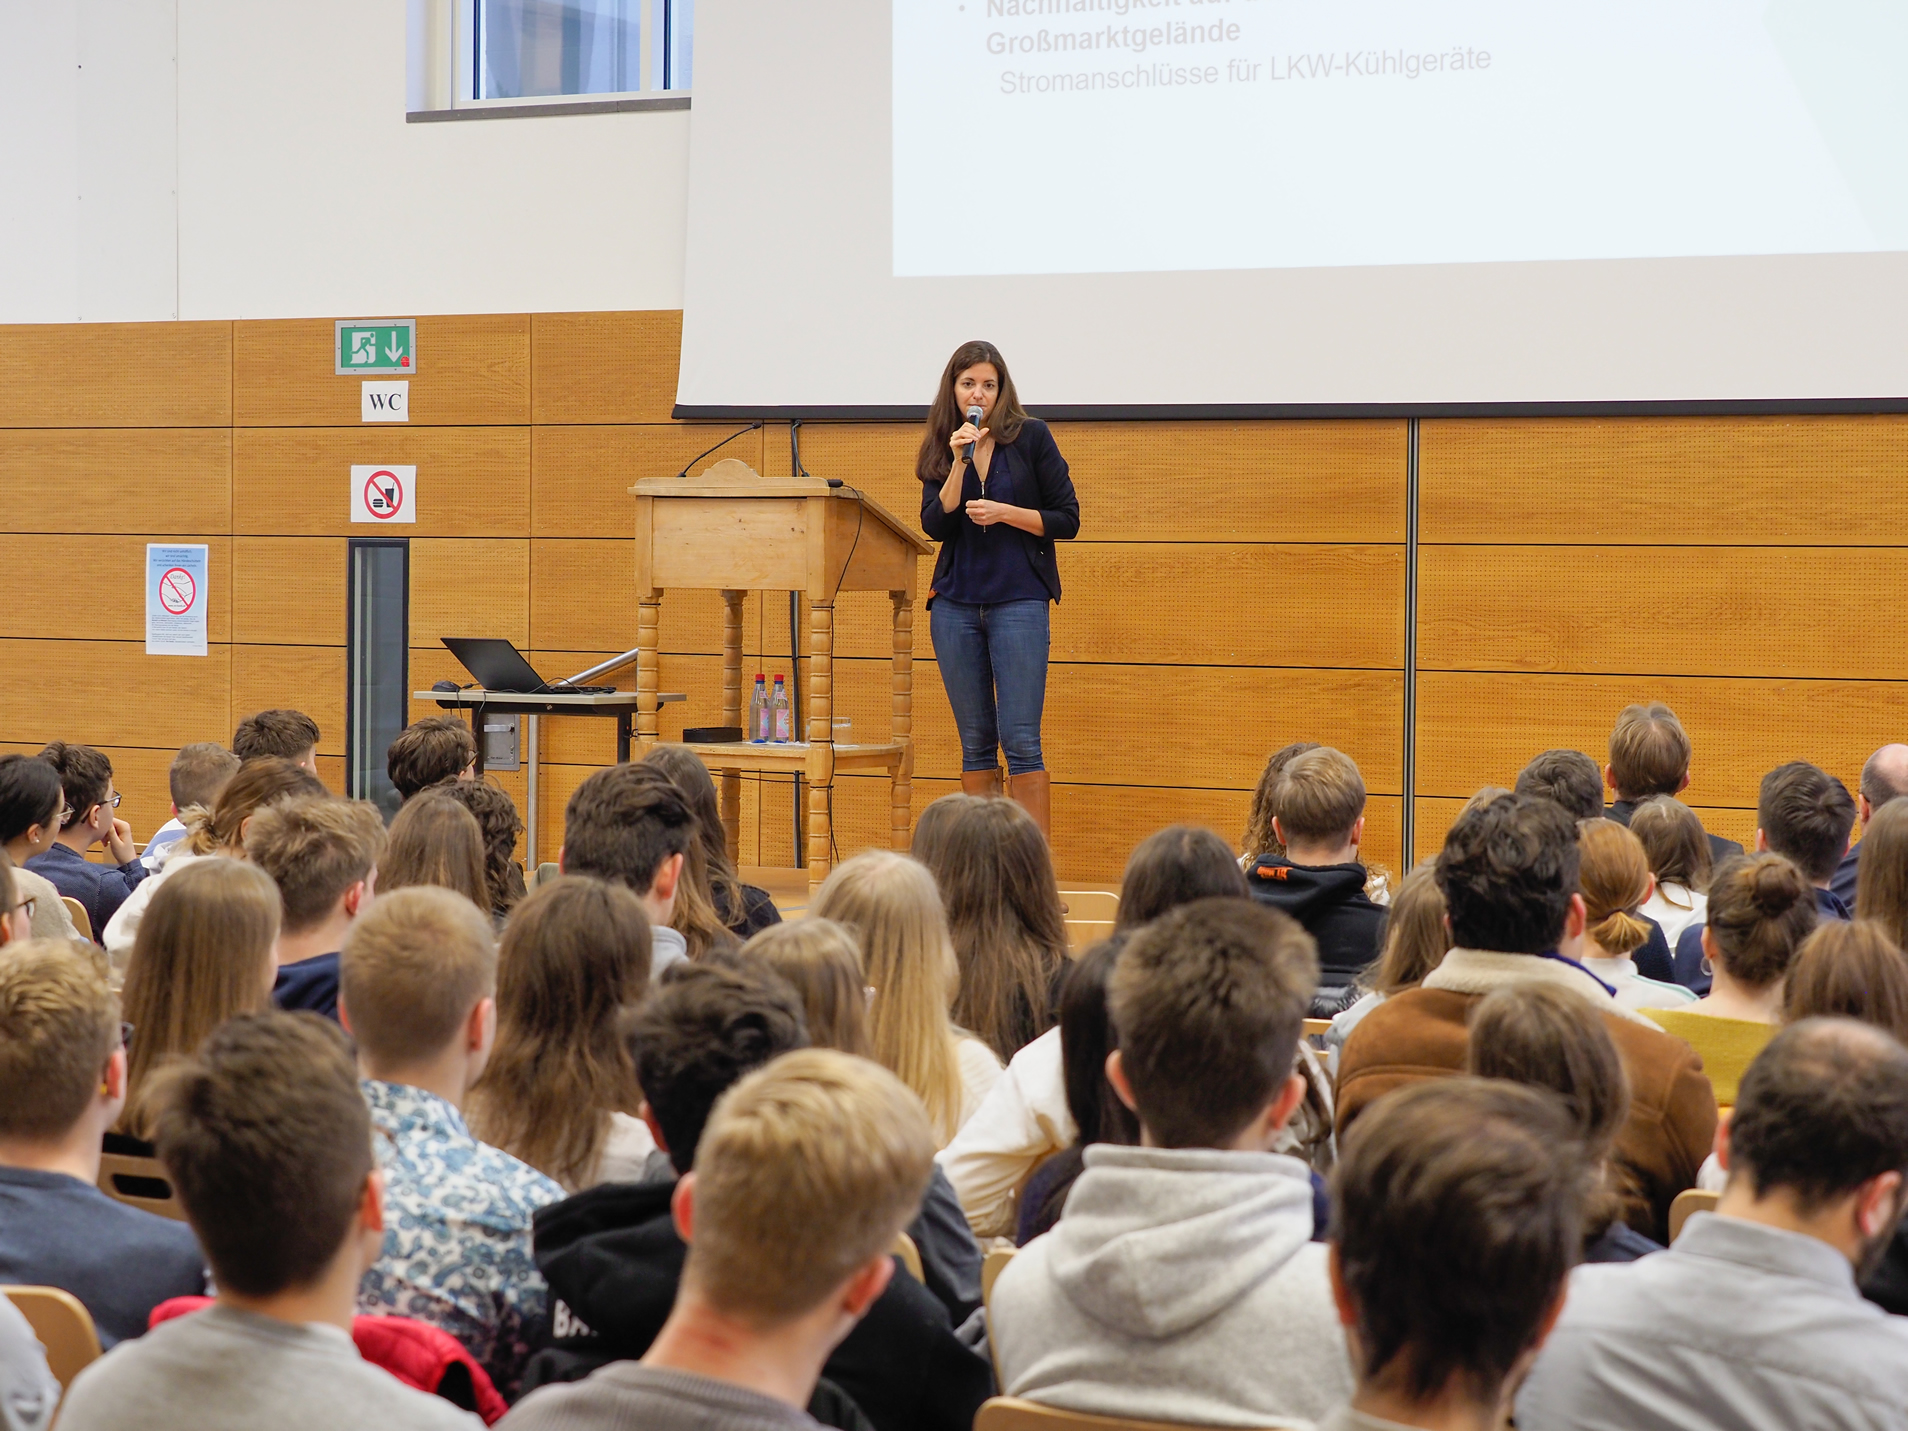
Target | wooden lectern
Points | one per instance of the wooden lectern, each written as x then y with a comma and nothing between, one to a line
734,531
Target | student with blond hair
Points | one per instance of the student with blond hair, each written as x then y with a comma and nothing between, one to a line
323,855
1615,880
891,903
1416,941
419,979
780,1269
560,1090
206,951
821,961
197,774
434,840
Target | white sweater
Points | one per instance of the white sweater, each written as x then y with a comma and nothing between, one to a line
1022,1118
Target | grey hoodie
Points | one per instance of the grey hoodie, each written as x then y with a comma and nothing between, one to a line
1181,1284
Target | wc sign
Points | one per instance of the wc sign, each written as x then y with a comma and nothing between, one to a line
383,494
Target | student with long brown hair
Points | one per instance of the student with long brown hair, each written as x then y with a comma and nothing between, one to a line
560,1091
204,952
743,909
891,903
995,874
497,817
434,840
996,495
1849,969
1677,847
1881,887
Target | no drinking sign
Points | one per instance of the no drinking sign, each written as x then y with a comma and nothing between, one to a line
383,494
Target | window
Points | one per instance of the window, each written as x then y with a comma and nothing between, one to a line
529,49
377,661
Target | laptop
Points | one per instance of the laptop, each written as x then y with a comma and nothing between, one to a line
500,667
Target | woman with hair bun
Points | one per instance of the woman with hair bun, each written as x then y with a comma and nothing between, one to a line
1761,908
1615,880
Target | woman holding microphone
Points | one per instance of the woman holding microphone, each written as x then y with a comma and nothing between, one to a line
996,495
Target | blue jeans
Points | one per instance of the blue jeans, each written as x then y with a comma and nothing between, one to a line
993,662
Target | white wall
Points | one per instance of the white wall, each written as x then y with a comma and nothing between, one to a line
268,172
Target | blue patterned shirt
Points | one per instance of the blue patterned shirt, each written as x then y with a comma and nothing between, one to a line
456,1231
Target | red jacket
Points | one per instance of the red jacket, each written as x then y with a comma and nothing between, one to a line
417,1354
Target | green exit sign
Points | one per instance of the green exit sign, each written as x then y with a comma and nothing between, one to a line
376,345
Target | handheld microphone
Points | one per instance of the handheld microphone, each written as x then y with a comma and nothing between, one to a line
973,416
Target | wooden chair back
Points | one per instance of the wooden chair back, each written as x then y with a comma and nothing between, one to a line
141,1183
81,921
547,871
909,1254
63,1325
1090,915
1689,1201
1010,1413
992,1265
1317,1028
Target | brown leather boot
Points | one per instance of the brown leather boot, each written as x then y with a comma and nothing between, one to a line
1034,791
981,782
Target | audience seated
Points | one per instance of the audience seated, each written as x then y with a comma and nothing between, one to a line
1884,778
30,805
1535,1034
89,818
1678,853
890,903
1416,939
199,771
630,825
1615,879
261,781
820,960
1761,908
62,1085
995,873
560,1091
778,1270
1260,839
1455,1220
1806,814
434,840
288,734
323,855
1568,777
432,751
1649,755
613,1255
265,1136
1753,1318
1882,892
205,952
497,817
1849,969
1086,1038
1319,817
419,979
742,909
1024,1119
1181,1283
1509,875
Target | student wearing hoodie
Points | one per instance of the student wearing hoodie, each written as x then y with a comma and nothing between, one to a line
1319,881
1181,1283
614,1259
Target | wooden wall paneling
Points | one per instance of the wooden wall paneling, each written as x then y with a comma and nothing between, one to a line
1723,612
1726,481
604,367
1436,815
1480,728
124,480
292,481
583,598
111,693
140,774
116,375
112,605
289,591
471,587
581,476
331,770
307,678
472,369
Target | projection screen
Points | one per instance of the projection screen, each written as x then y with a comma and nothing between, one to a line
1299,206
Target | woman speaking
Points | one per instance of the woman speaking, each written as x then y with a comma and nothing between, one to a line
996,495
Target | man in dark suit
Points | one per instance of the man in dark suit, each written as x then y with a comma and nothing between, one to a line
1884,777
1649,755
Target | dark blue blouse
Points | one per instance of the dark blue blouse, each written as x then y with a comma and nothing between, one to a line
983,566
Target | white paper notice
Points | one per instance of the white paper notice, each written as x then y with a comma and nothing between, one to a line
175,600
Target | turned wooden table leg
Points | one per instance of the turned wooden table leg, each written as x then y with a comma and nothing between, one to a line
648,623
901,786
731,787
821,739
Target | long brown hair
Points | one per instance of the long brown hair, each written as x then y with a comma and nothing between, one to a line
1175,866
1850,970
435,840
822,962
945,417
1674,842
1881,884
692,780
574,956
1416,936
202,954
1614,875
996,878
260,781
497,817
1260,839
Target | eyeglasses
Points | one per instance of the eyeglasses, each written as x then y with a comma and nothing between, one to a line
68,812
